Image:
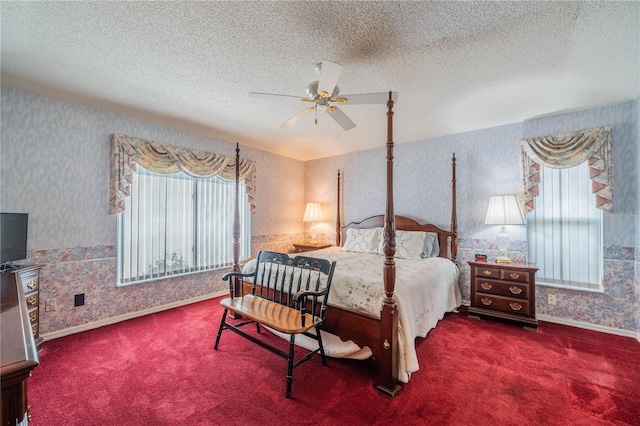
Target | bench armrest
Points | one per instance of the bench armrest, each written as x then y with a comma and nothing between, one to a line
301,295
228,275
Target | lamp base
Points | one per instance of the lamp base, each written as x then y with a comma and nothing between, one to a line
503,260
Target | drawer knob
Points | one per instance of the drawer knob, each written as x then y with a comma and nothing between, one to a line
33,316
486,286
486,273
514,276
32,300
32,284
515,306
515,290
486,301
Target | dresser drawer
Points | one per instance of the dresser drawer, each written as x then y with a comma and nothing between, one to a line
32,300
502,288
30,281
34,316
504,304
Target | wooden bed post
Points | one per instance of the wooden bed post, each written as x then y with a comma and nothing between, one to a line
388,362
338,224
454,214
236,216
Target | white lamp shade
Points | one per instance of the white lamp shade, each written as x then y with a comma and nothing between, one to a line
504,210
313,213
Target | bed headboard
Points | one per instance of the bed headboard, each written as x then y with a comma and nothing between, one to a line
446,239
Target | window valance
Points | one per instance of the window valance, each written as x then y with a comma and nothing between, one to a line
127,152
568,150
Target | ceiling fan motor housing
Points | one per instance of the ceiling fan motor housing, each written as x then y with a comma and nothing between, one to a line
312,91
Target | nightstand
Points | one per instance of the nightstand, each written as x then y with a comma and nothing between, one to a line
504,291
302,247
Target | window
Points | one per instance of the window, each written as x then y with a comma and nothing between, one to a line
174,224
564,231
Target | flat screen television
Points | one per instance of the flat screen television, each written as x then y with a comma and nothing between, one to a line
13,237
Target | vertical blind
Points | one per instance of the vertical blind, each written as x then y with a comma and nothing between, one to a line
175,224
564,231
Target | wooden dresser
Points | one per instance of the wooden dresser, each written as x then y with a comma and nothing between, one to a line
29,279
18,350
504,291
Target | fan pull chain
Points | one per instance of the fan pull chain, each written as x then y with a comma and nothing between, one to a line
316,112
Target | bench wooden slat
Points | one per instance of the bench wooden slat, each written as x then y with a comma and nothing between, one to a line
271,314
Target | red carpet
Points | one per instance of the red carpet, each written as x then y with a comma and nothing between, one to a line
162,370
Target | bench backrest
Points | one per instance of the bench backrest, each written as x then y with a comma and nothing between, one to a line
300,282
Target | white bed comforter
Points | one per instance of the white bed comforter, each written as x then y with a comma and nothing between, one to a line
424,291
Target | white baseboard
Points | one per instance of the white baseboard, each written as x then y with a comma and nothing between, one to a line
124,317
130,315
588,326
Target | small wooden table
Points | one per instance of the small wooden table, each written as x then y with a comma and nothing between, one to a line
308,246
504,291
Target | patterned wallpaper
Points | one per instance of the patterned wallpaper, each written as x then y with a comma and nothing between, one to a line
54,165
487,164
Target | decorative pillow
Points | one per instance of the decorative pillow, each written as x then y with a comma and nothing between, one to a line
409,244
431,245
362,240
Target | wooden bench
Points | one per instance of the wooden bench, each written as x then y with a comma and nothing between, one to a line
287,295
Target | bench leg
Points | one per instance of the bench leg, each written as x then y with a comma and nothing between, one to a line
222,322
292,343
324,359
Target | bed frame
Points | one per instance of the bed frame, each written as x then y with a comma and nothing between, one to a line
379,334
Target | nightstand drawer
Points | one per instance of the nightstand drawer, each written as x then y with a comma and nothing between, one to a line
504,304
515,275
486,272
502,288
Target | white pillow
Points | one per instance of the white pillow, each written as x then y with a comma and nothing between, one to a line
409,244
431,245
362,240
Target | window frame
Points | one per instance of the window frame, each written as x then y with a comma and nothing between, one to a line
566,283
245,230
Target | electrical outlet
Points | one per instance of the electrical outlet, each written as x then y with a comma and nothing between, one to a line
78,299
551,299
50,305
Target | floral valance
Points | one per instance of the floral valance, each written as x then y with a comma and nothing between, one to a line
127,152
568,150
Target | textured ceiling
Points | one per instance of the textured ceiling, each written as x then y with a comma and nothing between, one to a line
457,66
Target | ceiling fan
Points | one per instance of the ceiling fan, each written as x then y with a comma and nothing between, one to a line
324,95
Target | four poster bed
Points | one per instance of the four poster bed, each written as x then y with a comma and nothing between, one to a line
427,282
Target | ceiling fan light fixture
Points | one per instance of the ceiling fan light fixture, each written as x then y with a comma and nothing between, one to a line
323,103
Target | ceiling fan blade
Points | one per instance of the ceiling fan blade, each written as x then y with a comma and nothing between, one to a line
329,73
258,94
293,120
368,98
341,118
